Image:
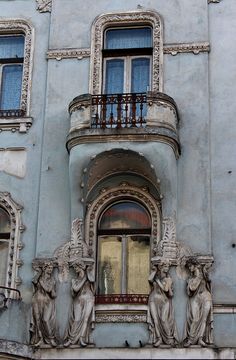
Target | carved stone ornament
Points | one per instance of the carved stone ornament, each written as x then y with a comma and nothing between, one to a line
44,5
214,1
18,26
82,315
168,247
74,250
195,48
199,322
135,18
160,316
15,245
120,318
59,54
109,195
43,327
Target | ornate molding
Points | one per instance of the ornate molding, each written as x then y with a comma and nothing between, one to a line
59,54
44,5
19,26
119,19
14,211
168,247
75,249
214,1
107,196
20,124
195,48
120,318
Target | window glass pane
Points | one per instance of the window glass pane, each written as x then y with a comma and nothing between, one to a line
114,76
109,265
5,225
3,261
11,87
11,47
140,75
138,264
128,38
125,215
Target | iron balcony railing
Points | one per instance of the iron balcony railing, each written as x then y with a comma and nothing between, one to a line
12,113
119,110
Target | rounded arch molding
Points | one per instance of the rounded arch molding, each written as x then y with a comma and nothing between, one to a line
138,17
123,192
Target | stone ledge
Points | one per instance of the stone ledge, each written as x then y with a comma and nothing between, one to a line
144,353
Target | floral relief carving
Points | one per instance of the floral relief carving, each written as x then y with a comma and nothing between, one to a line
17,26
131,18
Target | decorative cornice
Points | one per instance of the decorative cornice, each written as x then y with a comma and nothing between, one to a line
156,134
59,54
44,5
195,48
173,49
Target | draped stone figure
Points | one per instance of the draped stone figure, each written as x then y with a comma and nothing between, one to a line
160,316
199,323
82,315
43,312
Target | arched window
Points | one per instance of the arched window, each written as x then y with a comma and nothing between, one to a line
5,229
124,230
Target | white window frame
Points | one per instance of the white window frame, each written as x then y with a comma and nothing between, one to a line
127,70
126,19
15,244
16,27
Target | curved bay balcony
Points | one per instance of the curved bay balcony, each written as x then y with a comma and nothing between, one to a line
151,116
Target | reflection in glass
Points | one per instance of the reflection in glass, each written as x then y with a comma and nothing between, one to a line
137,264
125,215
3,261
109,264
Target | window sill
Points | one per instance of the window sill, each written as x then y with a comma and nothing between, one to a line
13,124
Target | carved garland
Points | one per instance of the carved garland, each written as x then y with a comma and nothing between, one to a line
14,211
123,191
18,26
131,18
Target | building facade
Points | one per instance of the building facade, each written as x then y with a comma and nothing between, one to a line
117,195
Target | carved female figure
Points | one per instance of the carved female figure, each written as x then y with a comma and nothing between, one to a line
82,309
43,312
160,309
199,323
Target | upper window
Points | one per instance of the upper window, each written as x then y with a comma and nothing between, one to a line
127,54
11,70
16,61
123,249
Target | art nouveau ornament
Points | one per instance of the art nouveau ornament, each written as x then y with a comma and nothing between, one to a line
160,315
82,315
43,315
199,323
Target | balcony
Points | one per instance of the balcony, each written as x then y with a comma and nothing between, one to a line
151,116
